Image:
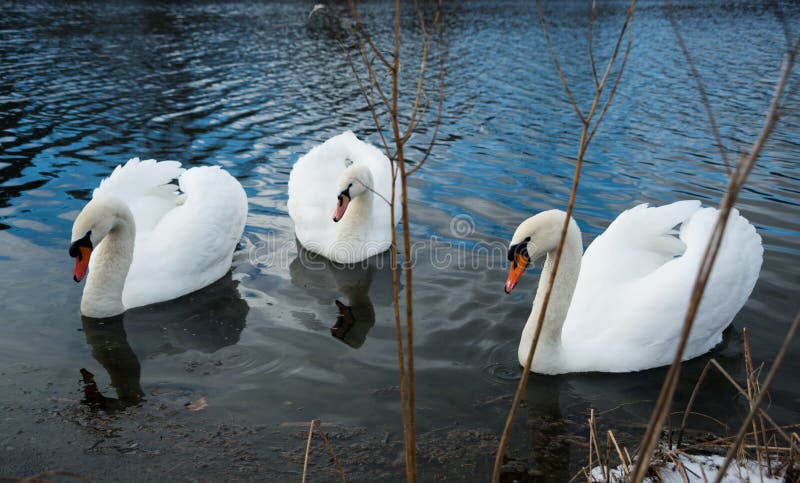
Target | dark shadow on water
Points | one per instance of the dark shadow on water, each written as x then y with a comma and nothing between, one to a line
356,282
206,321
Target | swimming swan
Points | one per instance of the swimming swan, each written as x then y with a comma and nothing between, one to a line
144,242
620,307
353,177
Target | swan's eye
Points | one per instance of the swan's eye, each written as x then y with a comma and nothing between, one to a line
521,248
75,247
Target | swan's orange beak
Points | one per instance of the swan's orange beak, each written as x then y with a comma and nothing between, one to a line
338,213
82,263
518,266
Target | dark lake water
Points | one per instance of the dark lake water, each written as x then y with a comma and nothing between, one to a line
251,86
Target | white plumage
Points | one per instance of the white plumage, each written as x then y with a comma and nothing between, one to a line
633,288
182,240
316,180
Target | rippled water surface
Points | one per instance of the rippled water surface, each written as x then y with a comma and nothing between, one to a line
250,86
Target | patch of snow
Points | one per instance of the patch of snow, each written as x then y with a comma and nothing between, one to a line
698,468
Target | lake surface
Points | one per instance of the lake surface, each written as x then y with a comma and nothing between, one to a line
86,86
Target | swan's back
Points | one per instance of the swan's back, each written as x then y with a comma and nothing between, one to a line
192,245
313,191
637,277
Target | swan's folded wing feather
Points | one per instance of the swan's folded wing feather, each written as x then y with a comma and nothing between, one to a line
648,311
638,242
193,244
145,186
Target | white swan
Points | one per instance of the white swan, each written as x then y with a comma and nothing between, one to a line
144,242
356,179
620,307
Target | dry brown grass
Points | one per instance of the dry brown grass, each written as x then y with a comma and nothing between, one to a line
774,448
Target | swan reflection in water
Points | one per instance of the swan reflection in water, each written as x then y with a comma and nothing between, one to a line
206,321
353,281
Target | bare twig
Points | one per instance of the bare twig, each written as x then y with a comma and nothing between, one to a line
330,449
557,65
613,87
699,80
369,98
751,389
691,403
438,120
308,449
365,35
591,51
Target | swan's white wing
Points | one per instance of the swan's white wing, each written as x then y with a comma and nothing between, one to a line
638,242
636,279
193,244
313,191
145,187
666,291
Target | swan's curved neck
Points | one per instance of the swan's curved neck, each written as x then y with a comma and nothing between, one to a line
109,265
355,223
548,356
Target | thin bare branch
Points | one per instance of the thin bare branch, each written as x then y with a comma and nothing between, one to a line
712,121
615,52
689,405
772,114
390,98
308,450
591,49
613,87
713,363
365,35
422,64
368,98
440,106
330,449
540,322
558,66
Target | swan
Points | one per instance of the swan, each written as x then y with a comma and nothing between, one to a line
620,306
144,242
355,178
